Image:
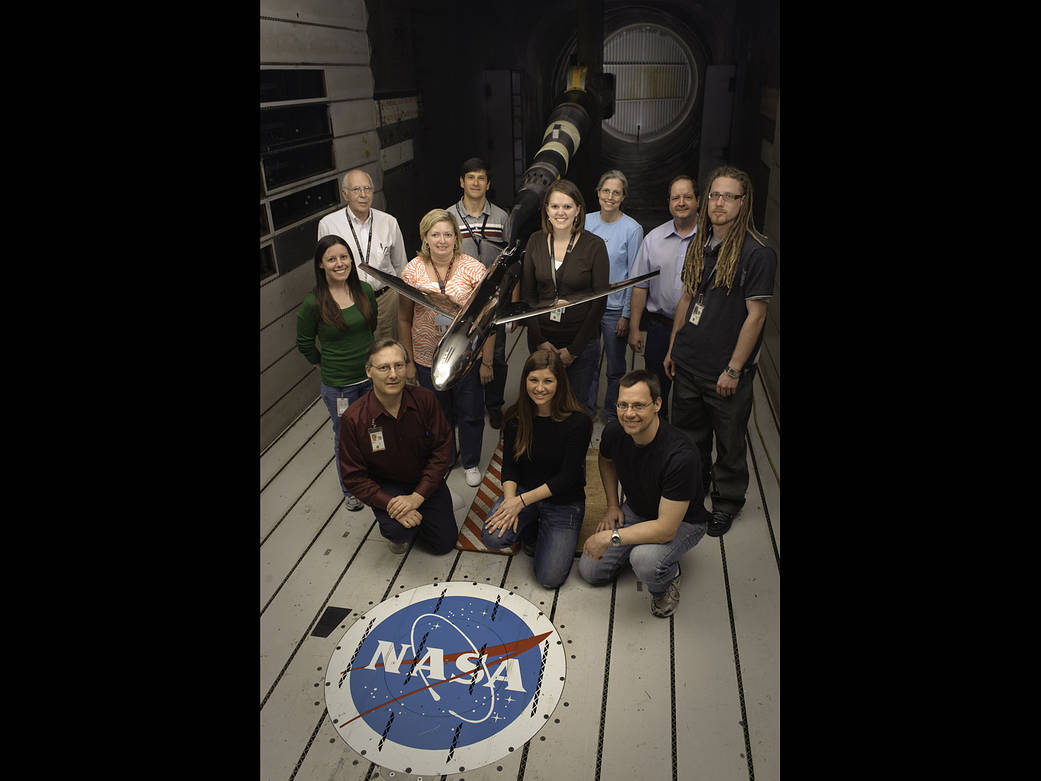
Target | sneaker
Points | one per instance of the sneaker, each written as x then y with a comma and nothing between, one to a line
495,417
398,547
353,503
664,605
473,476
720,523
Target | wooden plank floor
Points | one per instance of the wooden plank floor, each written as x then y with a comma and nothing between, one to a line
695,696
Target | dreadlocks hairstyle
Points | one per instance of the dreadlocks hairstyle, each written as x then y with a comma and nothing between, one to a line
730,251
328,309
561,405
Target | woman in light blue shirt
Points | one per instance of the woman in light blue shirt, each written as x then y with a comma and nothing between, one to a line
623,236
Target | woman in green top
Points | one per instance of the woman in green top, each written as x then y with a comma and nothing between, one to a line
340,313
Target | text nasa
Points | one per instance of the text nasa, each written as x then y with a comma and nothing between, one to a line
432,666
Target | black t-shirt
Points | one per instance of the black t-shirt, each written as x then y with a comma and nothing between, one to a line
557,456
669,466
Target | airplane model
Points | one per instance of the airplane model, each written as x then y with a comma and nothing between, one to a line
488,306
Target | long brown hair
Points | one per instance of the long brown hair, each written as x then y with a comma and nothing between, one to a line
328,309
561,405
730,250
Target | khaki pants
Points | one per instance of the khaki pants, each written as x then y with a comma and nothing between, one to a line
387,319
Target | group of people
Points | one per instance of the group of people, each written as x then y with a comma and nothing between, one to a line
396,437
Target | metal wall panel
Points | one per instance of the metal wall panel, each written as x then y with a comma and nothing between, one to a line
328,36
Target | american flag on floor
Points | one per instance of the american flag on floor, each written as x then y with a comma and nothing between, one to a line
487,492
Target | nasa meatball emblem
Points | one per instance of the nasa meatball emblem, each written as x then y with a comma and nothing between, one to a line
445,678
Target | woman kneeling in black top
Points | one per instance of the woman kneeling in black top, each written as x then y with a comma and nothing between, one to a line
545,439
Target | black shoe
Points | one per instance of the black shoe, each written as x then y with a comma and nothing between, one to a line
720,523
495,417
528,543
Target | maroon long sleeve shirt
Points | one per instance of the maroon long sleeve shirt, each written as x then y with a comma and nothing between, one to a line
416,451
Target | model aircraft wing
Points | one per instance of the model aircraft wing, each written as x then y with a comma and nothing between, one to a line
519,310
439,302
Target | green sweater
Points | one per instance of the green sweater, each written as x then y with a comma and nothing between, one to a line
342,355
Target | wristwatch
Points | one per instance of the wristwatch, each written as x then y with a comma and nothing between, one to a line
615,538
732,373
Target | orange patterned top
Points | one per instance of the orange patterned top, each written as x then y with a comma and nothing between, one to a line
466,275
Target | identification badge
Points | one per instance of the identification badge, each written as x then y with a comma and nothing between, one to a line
341,406
556,314
442,322
376,439
695,315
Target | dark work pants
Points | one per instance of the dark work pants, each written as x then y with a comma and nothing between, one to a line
654,348
702,414
437,532
493,391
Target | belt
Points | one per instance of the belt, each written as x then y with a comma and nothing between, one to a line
659,316
382,290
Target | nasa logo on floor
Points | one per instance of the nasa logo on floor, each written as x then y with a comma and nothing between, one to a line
445,678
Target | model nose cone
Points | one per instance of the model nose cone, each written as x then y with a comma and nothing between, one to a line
452,359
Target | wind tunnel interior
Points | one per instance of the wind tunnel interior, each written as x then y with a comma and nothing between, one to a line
687,93
695,85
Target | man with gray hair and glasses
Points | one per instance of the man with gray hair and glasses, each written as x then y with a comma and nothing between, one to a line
375,238
394,455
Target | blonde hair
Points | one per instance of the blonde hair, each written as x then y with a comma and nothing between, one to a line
432,218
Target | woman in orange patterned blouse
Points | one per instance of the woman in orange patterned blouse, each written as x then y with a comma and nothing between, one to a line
441,268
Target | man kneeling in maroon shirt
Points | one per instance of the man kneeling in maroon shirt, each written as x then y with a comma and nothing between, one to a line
394,454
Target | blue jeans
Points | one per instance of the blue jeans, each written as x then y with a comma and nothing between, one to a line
656,564
330,394
558,528
657,344
463,405
614,351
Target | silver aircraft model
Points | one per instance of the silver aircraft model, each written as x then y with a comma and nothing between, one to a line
488,306
491,303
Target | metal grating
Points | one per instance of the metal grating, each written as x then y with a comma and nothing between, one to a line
655,82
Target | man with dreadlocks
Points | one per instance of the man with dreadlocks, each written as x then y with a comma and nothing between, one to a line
728,279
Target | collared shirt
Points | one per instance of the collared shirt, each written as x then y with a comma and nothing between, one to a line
705,349
387,252
663,248
623,238
416,449
493,223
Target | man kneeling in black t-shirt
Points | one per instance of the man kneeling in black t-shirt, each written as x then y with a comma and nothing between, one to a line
664,512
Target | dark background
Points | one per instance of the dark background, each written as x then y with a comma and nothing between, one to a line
452,55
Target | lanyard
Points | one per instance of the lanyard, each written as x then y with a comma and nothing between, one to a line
473,236
441,283
372,226
553,260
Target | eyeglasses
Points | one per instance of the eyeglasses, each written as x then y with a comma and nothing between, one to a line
637,407
675,198
364,189
386,367
611,193
728,197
